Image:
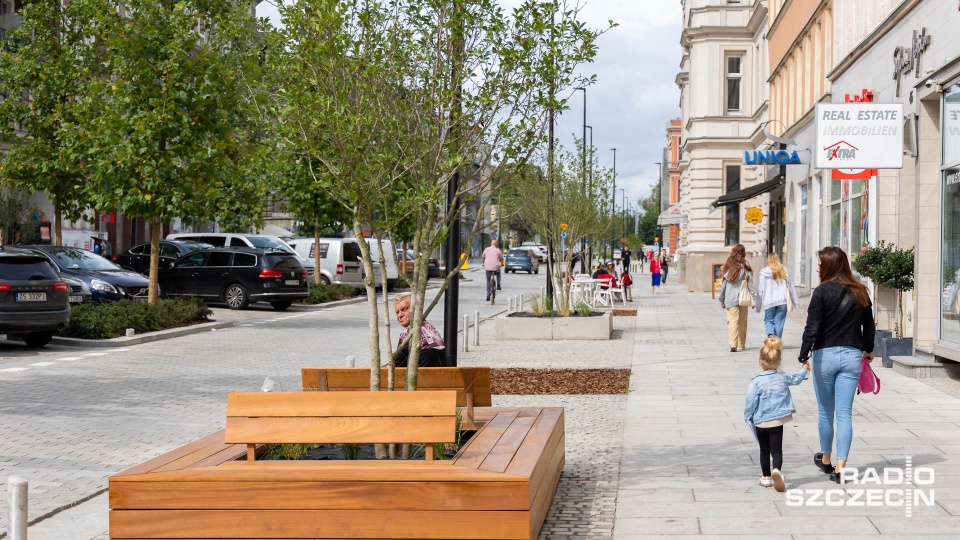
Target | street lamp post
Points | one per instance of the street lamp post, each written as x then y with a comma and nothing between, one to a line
583,241
550,150
613,196
451,298
590,192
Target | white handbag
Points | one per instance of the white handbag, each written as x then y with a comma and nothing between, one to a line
745,298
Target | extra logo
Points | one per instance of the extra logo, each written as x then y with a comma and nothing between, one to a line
841,151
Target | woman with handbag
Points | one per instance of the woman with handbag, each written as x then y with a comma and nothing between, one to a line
736,295
775,295
840,333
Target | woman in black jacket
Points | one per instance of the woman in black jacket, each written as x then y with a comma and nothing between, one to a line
839,332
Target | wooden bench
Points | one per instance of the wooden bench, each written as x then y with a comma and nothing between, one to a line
471,384
499,485
344,418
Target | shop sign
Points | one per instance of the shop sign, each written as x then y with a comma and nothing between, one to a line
906,59
754,215
859,136
953,178
854,174
771,157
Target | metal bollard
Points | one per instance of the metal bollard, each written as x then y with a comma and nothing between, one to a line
517,301
476,328
466,333
351,361
17,517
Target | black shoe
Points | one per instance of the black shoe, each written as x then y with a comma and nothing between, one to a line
825,467
835,477
499,289
488,298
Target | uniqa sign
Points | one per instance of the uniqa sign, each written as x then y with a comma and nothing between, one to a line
770,157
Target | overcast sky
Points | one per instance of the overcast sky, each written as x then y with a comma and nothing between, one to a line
635,94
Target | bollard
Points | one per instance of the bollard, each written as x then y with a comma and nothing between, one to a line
131,332
476,328
466,333
351,361
509,305
518,302
17,517
521,301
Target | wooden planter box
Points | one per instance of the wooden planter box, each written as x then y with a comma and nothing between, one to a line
500,485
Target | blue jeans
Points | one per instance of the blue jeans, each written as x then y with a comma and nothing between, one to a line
773,319
836,371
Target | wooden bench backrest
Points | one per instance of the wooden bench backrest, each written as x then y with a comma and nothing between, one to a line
464,381
341,418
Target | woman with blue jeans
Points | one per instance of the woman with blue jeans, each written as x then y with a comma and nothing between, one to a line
772,290
839,333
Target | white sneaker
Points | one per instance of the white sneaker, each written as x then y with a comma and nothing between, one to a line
778,480
765,481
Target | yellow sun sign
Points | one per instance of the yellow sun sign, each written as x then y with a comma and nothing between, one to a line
754,215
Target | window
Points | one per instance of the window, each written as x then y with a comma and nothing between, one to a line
244,259
219,258
804,254
214,240
849,200
733,79
142,249
237,242
731,224
169,250
192,261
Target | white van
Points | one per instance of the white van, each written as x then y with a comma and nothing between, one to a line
263,241
339,259
389,256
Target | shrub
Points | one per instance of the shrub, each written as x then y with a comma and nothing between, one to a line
104,321
322,293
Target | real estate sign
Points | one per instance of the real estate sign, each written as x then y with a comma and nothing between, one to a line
859,136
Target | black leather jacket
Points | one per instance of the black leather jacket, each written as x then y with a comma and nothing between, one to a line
853,328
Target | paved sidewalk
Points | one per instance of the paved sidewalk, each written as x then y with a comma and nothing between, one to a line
690,466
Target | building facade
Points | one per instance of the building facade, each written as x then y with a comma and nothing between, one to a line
724,47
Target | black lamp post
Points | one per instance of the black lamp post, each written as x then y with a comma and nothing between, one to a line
613,196
583,242
589,253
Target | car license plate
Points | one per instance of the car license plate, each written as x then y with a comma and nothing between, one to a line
291,282
76,299
32,297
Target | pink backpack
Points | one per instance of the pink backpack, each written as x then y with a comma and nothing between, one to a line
869,382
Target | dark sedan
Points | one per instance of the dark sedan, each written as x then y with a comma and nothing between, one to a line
137,258
107,281
237,276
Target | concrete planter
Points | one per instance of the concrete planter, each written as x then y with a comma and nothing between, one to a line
878,344
533,328
896,347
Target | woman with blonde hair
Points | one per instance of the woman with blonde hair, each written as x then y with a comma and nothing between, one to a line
773,289
736,271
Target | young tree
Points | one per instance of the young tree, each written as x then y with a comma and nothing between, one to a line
166,129
43,78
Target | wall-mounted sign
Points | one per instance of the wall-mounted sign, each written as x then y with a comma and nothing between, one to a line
853,174
754,215
906,59
771,157
859,136
866,96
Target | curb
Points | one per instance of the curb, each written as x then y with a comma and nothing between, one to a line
143,338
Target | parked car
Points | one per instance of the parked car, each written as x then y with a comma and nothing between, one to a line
524,259
107,281
34,300
262,241
433,265
137,258
339,259
392,274
237,277
79,291
537,248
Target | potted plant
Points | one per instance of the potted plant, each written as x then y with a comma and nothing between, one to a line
895,271
868,265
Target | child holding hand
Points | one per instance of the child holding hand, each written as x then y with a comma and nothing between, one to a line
768,407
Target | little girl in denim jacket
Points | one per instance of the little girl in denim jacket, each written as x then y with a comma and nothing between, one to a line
769,406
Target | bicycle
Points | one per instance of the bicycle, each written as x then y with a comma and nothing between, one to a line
493,288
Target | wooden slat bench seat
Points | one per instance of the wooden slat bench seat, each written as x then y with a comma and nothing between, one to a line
500,484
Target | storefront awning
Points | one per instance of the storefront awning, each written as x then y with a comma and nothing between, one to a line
735,197
671,216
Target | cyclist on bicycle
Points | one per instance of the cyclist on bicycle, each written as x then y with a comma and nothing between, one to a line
492,259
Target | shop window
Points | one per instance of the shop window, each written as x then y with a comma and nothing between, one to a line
734,75
949,323
848,213
731,223
804,255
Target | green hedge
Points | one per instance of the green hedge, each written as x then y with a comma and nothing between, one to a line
320,294
103,321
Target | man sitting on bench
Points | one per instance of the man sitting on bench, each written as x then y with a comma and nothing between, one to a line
431,343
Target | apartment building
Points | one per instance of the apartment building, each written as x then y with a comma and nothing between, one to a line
723,101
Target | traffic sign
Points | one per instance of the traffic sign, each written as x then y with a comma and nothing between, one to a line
563,235
656,245
563,227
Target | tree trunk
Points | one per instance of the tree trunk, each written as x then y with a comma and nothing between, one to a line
58,240
317,275
155,230
373,322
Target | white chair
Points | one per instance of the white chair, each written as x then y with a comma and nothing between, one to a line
602,295
618,290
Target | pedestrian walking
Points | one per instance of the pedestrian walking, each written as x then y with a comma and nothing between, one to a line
655,275
775,295
769,407
626,282
840,333
492,260
664,266
737,276
625,255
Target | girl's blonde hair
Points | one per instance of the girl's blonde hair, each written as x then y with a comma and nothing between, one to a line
771,354
776,267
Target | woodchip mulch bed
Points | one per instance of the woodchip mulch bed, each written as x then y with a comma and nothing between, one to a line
523,381
624,313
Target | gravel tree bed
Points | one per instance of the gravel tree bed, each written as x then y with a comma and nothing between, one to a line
524,381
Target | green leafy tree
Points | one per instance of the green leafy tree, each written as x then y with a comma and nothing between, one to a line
895,271
651,212
44,80
167,129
